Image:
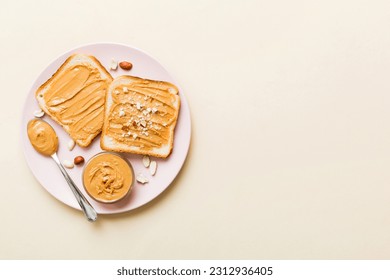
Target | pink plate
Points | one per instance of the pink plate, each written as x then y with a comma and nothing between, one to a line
45,169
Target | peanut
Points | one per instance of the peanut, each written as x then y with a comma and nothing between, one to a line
125,65
78,160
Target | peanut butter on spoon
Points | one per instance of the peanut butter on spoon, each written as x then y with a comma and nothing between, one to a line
42,137
45,141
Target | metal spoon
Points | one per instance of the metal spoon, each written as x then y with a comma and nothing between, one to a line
45,141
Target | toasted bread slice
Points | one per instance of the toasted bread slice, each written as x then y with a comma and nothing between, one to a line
74,97
140,116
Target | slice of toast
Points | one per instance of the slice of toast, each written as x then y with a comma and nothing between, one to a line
140,116
74,97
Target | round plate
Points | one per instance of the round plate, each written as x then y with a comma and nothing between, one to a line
45,169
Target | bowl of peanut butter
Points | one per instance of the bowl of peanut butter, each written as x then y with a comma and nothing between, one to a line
108,177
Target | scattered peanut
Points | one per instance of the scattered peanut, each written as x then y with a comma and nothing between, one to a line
153,167
113,65
142,179
71,144
146,161
68,164
125,65
39,113
78,160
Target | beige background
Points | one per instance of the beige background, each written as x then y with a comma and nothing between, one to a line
290,149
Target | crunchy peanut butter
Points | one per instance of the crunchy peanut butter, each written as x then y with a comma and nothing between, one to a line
108,177
143,114
42,137
76,99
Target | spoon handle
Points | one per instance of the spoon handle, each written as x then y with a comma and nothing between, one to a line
87,208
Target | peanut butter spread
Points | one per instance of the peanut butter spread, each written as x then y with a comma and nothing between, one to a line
144,114
107,177
42,137
76,99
